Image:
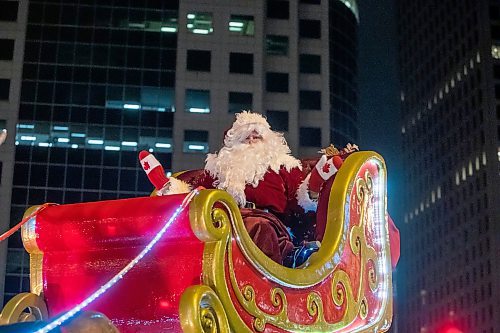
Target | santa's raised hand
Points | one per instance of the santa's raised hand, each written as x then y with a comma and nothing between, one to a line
154,170
325,168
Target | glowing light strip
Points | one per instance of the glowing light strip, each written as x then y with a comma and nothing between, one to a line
381,237
59,321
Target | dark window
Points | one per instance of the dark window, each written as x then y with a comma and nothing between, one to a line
278,9
278,120
276,45
494,13
239,101
310,63
4,89
310,29
190,135
6,49
496,71
277,82
198,60
495,32
310,137
310,100
56,176
312,2
241,63
497,92
9,10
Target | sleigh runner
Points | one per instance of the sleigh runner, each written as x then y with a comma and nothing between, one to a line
205,274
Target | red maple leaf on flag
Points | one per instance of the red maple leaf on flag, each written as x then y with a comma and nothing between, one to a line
146,166
326,168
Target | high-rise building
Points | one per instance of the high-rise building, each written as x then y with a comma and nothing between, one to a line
12,32
103,80
450,101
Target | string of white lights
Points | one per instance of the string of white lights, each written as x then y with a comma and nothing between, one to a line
59,321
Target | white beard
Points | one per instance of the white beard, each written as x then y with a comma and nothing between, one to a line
246,164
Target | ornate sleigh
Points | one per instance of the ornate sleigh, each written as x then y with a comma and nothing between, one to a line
206,274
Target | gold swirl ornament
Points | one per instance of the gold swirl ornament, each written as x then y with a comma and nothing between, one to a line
22,308
201,311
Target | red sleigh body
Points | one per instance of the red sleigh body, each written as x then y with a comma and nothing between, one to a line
205,273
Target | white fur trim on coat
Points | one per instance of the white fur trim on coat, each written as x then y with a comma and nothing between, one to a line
174,186
303,198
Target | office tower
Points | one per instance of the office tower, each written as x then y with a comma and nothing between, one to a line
12,30
450,92
103,80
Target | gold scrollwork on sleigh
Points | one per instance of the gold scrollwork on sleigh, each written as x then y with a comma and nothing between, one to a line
215,219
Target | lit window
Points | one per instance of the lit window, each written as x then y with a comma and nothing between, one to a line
140,98
242,25
495,51
197,101
195,141
200,23
169,24
276,45
95,142
239,101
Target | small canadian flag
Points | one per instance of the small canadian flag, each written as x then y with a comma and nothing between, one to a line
153,169
327,167
324,169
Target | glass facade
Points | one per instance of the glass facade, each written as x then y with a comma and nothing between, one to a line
98,86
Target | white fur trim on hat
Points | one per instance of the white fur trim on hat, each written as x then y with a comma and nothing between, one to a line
303,198
246,122
247,117
174,186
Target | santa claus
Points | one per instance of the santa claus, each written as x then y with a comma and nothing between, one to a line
255,166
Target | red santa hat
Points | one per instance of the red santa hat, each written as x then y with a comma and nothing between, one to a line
246,122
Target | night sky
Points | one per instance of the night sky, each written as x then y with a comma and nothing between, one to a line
378,89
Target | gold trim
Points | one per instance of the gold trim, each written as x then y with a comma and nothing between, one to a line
14,310
28,235
200,311
214,253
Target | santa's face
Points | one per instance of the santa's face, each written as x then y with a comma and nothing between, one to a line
253,137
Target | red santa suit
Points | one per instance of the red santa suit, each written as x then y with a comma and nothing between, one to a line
255,166
260,174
